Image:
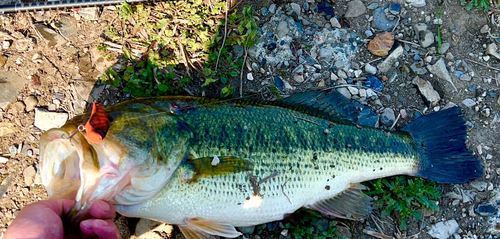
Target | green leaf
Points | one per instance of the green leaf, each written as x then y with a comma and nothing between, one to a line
208,82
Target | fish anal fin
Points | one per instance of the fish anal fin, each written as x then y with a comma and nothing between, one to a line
201,228
192,233
203,167
351,204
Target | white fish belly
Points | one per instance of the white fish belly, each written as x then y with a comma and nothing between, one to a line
283,188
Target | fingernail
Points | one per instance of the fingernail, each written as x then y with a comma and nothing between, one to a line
103,206
86,224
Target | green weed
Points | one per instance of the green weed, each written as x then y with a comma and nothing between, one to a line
404,197
311,224
479,4
175,33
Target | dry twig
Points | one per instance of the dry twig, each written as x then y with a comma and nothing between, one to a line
223,41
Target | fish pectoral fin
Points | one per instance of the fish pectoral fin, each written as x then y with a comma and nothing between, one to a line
204,167
351,204
201,228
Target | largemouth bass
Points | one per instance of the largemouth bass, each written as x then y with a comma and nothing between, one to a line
209,166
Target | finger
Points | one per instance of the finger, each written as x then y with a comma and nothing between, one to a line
99,228
102,209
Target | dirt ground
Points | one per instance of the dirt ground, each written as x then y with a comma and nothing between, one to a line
61,73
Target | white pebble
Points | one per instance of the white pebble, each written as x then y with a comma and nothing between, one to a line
249,76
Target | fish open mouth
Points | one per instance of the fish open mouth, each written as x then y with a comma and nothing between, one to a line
71,167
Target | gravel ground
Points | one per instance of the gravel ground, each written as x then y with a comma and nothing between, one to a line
49,64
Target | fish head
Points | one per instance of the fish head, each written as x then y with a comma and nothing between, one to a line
131,164
74,167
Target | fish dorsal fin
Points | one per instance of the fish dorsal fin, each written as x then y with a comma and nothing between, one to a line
330,105
208,167
201,228
351,204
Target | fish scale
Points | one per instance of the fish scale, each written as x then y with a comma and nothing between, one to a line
275,140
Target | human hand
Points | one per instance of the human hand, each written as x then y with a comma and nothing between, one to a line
42,220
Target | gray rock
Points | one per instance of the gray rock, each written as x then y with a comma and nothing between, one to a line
353,90
425,37
370,69
431,96
335,22
295,8
272,8
439,69
492,49
469,102
29,175
479,186
68,26
345,92
7,128
151,229
11,85
51,37
247,230
239,50
387,118
342,74
282,29
46,120
30,103
444,48
485,29
443,230
417,68
355,8
416,3
298,74
388,63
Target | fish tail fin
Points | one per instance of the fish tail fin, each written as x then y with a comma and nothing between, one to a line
440,141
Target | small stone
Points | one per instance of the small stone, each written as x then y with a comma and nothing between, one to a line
388,63
486,58
486,210
247,230
250,76
370,69
443,230
469,102
439,69
492,49
444,48
387,118
368,33
345,92
425,87
3,60
381,44
284,232
282,29
374,83
16,108
326,8
7,129
51,37
355,8
31,102
484,29
335,22
29,174
479,186
11,85
46,120
264,11
90,13
278,83
353,90
5,45
272,8
151,229
381,21
418,69
3,160
416,3
296,8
